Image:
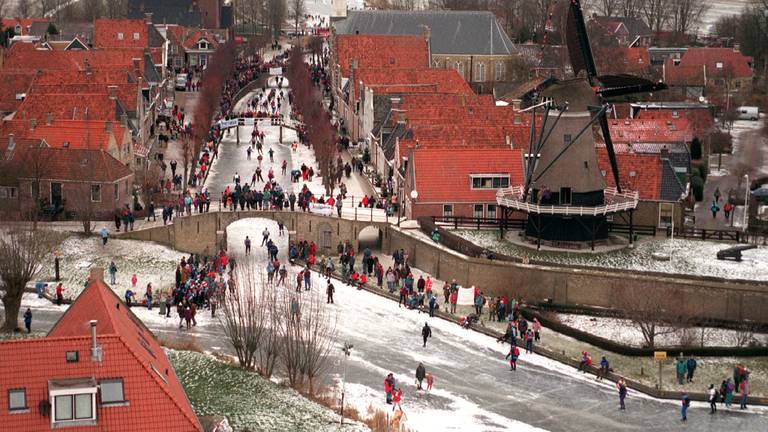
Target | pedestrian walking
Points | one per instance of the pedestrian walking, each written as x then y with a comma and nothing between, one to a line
432,305
389,387
104,236
28,320
397,395
59,294
712,398
717,194
744,388
112,272
690,367
426,333
714,208
514,354
622,386
420,374
680,369
430,381
247,245
330,290
603,372
685,403
264,236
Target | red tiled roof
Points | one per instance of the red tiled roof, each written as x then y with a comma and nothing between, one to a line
190,42
637,172
381,52
389,81
25,23
650,130
130,351
62,106
24,57
71,164
443,175
13,84
698,64
73,134
107,32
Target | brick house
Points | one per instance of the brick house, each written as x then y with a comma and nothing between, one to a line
66,178
99,368
717,69
628,31
470,42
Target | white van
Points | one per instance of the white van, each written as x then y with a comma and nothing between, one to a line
747,113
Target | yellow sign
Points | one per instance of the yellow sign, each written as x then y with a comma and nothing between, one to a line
659,355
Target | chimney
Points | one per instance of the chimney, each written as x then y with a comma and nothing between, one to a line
664,153
148,18
96,354
108,126
49,119
32,124
516,104
112,92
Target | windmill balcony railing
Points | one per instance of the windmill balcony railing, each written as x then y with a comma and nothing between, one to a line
615,202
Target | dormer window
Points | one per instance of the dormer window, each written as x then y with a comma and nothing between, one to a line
719,65
17,29
73,402
17,400
136,36
120,36
203,45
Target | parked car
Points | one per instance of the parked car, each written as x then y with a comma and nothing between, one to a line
747,113
181,82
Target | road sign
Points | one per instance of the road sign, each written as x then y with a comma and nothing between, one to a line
659,355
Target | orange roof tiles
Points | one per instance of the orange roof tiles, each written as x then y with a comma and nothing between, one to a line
190,42
79,106
70,164
78,134
388,81
120,33
443,175
12,85
698,65
650,130
381,52
24,23
154,396
637,172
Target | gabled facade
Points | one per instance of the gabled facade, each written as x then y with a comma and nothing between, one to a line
99,368
699,69
628,32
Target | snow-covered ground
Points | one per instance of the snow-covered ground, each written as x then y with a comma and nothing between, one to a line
625,332
692,257
150,262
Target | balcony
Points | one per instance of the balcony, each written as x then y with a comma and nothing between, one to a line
615,202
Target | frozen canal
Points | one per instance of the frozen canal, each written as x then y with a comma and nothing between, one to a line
474,389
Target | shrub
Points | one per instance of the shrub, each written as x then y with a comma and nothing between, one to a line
697,183
696,149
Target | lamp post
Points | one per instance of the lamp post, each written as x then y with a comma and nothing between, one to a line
56,255
414,195
746,201
347,348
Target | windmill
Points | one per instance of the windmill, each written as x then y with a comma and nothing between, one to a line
565,194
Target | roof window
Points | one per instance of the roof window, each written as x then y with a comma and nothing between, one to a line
73,356
136,36
73,402
120,36
17,400
112,391
719,65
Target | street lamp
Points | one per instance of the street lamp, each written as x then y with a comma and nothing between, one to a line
746,201
347,348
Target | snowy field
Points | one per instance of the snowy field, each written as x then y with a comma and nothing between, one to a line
691,257
151,262
625,332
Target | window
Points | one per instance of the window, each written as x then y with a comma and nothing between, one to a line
490,181
490,210
480,72
666,211
136,36
112,391
500,71
447,210
95,193
565,196
8,192
459,68
567,139
73,407
120,36
203,45
477,211
73,356
17,399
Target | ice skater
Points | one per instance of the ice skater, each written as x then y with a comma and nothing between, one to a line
426,333
622,387
247,245
513,355
686,402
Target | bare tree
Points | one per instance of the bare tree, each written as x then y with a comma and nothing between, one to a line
685,14
317,331
116,8
24,8
608,7
276,16
34,164
656,13
81,201
297,12
90,9
648,311
243,313
21,259
4,7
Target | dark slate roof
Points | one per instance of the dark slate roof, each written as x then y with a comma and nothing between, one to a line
635,26
452,32
38,28
71,30
150,71
671,188
389,141
382,104
181,12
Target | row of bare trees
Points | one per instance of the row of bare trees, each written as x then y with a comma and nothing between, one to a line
307,100
65,9
272,327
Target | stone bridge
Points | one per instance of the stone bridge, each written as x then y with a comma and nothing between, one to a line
702,297
206,233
